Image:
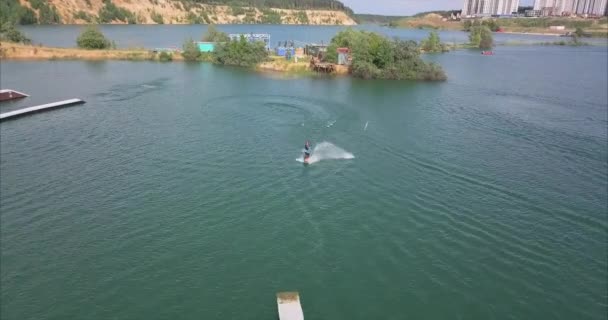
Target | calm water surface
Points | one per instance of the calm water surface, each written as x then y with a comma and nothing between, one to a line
154,36
175,192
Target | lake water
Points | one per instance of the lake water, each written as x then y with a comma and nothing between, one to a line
175,192
155,36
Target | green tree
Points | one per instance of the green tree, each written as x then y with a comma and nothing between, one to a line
270,16
579,32
190,51
475,36
432,43
8,32
48,14
82,16
157,17
165,56
192,18
26,16
214,35
240,53
376,57
110,12
467,25
92,38
487,41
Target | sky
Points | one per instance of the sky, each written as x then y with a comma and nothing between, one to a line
407,7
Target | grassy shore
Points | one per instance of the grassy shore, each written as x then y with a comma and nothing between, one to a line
16,51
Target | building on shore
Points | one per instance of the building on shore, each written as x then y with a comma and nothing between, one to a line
571,7
480,8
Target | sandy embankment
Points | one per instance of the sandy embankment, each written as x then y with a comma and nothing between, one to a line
30,52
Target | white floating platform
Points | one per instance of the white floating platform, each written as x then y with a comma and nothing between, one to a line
289,306
44,107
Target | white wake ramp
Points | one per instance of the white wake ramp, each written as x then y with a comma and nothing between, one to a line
327,151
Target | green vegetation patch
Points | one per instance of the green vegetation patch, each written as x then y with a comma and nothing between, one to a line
12,12
376,57
92,38
157,17
240,53
8,32
433,44
110,12
481,37
165,56
190,51
83,16
270,16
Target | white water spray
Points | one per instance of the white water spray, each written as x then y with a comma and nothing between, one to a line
327,151
365,129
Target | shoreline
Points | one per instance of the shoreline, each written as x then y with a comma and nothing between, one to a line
531,33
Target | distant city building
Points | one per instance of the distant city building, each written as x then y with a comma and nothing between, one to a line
554,7
489,7
570,7
591,7
532,13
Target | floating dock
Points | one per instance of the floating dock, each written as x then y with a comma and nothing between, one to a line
40,108
289,306
9,94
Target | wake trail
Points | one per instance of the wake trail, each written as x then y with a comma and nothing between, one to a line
327,151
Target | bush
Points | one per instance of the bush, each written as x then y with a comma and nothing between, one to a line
481,37
92,38
270,16
26,16
432,43
82,16
237,11
190,51
48,15
302,17
110,12
490,23
474,36
156,17
214,35
487,41
8,32
165,56
376,57
192,18
240,53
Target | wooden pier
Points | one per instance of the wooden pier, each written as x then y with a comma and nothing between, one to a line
40,108
9,94
289,306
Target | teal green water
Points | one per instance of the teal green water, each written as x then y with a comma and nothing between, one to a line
175,192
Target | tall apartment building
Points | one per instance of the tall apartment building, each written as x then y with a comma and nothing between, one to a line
489,7
567,7
591,7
